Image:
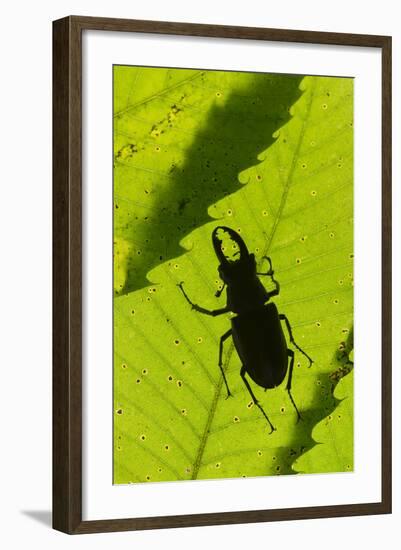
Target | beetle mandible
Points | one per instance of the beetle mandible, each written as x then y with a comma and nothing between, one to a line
256,329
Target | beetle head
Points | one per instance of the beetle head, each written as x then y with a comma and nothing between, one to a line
240,263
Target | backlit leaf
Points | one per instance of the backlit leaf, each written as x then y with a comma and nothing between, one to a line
293,202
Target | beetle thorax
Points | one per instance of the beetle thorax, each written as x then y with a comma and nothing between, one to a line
246,294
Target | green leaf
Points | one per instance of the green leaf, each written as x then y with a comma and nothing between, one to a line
172,418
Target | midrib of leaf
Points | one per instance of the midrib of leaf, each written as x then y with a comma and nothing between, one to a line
286,189
291,171
205,435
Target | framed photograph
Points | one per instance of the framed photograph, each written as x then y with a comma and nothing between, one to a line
222,274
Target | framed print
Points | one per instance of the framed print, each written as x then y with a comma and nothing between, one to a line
222,275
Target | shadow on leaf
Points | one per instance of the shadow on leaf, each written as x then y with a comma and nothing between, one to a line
230,139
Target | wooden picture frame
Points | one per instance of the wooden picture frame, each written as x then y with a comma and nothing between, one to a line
67,274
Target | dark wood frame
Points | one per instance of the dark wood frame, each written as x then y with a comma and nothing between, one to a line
67,281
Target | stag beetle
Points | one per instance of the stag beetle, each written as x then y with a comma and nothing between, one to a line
256,329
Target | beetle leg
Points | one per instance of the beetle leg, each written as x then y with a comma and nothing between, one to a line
270,273
242,372
212,312
289,381
222,340
287,323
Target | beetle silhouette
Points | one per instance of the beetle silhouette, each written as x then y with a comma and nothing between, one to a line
256,329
